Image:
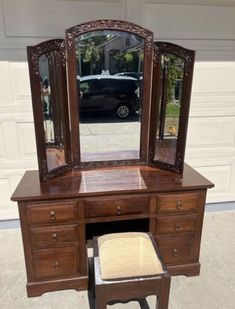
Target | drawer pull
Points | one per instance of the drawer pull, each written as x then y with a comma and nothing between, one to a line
175,252
57,264
177,227
54,237
118,210
52,215
179,205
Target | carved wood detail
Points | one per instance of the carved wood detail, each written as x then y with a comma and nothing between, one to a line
54,51
70,43
45,48
106,24
170,48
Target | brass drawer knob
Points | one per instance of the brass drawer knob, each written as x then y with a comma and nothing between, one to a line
175,252
177,227
57,264
118,210
54,237
52,215
179,205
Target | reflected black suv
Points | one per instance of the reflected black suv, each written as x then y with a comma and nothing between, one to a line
109,93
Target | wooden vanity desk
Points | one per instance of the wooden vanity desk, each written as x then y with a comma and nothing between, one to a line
58,216
111,136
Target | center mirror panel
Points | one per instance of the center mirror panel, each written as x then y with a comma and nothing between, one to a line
109,79
109,86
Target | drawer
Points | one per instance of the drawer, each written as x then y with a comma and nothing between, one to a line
57,262
177,202
51,212
116,207
176,224
49,236
176,250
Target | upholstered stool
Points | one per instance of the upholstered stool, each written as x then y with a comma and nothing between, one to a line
128,266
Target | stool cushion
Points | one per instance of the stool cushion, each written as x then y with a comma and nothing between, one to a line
124,255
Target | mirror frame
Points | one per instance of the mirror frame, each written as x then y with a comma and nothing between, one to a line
116,25
33,53
188,56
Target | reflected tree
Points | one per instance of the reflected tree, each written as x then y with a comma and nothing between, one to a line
173,64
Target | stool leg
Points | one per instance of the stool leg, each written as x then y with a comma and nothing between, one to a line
100,298
163,298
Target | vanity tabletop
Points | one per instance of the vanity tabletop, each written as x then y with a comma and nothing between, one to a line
107,181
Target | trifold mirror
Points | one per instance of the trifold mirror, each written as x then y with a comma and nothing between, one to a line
127,101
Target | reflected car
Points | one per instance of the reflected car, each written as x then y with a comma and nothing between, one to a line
137,75
119,94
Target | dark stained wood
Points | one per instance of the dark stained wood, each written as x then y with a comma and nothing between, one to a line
54,246
74,98
53,235
108,181
78,283
152,73
118,207
59,215
190,270
51,212
178,202
176,224
55,262
55,51
176,249
62,213
159,98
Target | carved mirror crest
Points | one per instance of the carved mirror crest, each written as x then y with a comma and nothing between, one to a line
171,90
49,94
109,92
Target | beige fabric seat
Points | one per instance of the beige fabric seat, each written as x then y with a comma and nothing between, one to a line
123,255
128,266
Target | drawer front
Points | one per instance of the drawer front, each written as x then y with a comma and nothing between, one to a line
176,250
176,224
116,207
178,202
57,262
49,236
51,212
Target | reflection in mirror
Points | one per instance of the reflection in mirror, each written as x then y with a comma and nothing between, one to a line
172,72
51,98
109,85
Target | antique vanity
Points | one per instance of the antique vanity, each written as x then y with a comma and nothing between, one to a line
111,111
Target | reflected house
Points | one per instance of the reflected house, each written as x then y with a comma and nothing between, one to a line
110,53
114,54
